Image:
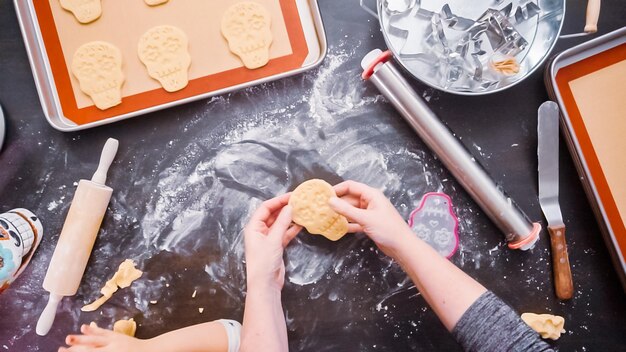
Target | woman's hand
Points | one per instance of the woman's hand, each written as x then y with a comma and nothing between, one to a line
371,212
98,339
267,234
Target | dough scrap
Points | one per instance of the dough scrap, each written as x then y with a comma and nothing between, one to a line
98,67
125,275
547,325
164,51
85,11
506,66
311,210
126,327
155,2
246,26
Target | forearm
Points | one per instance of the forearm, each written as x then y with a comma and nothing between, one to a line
446,288
206,337
491,325
264,327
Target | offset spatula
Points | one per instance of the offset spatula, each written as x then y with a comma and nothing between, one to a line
548,153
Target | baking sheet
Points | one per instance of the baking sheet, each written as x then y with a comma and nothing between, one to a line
122,23
588,83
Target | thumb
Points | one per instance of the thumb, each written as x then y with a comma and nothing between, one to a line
348,210
280,226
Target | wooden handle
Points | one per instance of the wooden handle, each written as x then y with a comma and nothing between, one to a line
106,159
593,13
560,263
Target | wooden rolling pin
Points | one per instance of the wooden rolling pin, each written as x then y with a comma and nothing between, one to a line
77,238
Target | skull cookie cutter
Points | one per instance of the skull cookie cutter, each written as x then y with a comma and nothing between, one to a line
435,223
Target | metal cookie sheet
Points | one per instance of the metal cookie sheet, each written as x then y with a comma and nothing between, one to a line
589,58
47,79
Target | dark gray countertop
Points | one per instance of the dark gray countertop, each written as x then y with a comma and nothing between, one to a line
185,180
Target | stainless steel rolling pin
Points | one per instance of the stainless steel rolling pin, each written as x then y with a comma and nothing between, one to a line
519,231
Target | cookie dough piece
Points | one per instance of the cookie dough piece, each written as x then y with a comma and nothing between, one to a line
311,210
85,11
126,327
125,275
246,27
547,325
155,2
507,66
98,67
164,51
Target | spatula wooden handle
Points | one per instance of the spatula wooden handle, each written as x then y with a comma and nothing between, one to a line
560,263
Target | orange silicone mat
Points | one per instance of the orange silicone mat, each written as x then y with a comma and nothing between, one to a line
213,66
593,94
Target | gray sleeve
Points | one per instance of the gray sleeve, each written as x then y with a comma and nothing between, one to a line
491,325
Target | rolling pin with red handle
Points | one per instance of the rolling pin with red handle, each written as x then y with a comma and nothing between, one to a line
77,237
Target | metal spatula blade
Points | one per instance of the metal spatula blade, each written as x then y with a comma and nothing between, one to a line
2,128
548,155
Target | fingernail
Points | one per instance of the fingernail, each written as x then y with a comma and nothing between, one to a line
333,201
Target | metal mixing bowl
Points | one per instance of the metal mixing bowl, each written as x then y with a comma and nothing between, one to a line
541,33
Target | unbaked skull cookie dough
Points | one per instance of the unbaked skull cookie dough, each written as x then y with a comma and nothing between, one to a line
246,27
164,51
85,11
155,2
98,68
311,210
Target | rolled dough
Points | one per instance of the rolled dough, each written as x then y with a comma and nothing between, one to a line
311,210
125,275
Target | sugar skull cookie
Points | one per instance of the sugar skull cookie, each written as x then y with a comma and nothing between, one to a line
246,26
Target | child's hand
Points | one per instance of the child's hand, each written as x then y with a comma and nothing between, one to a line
98,339
266,236
373,214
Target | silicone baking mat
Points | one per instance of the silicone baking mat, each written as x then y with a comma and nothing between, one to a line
593,94
122,23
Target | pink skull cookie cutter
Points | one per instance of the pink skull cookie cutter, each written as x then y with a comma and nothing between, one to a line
435,223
